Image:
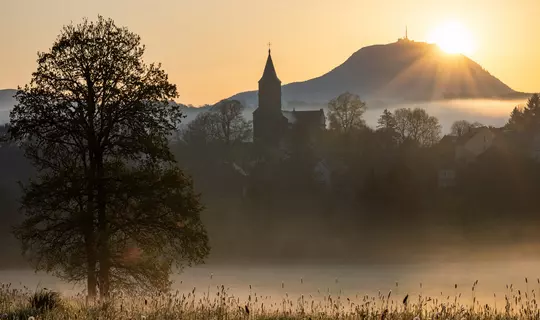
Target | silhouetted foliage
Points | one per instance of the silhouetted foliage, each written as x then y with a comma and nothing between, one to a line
232,127
526,118
417,126
345,113
517,119
223,123
313,198
94,116
386,121
531,112
462,127
45,300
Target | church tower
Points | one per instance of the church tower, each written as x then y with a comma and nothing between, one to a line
268,121
270,87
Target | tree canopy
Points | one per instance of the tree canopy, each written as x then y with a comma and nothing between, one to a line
526,118
417,126
462,127
93,117
346,113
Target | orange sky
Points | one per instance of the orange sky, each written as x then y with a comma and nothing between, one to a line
213,49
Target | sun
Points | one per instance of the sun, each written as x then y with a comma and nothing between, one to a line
452,37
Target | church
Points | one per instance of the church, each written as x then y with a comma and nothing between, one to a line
274,127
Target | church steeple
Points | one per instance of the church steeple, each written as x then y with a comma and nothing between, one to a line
268,120
269,73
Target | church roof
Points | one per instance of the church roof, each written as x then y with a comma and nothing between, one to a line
311,117
269,70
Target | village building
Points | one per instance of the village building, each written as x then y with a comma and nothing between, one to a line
275,128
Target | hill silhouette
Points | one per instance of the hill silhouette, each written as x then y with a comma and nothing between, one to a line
397,72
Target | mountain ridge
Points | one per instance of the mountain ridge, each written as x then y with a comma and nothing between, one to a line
382,74
403,71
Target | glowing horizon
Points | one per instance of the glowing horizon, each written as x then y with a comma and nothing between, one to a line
214,49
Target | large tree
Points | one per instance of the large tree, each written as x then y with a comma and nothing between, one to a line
517,119
346,113
532,112
526,118
417,126
93,114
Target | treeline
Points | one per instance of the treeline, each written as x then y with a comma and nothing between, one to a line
352,182
319,198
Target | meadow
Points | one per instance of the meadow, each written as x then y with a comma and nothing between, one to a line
219,303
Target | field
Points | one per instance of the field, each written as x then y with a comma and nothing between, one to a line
44,304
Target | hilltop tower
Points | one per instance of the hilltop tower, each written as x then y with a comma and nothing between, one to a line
405,39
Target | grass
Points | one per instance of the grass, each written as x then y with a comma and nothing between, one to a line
44,304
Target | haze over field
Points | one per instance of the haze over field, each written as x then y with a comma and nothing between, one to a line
488,112
273,283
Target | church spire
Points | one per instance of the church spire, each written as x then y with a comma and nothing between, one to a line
269,70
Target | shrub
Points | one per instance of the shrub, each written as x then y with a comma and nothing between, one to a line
45,300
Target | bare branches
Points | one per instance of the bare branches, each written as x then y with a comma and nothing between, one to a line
345,113
417,126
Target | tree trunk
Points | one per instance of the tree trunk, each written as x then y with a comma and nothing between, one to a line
90,242
90,238
104,256
91,281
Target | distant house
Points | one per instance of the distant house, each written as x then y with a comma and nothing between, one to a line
473,144
456,151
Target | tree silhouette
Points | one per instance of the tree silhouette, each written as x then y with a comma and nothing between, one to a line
386,121
93,115
462,127
417,126
517,119
231,124
527,118
345,113
531,113
223,123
